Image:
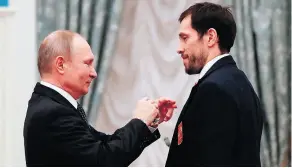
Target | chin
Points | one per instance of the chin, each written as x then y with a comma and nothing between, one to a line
84,91
193,71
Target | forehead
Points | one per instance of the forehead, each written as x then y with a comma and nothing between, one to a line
185,27
81,48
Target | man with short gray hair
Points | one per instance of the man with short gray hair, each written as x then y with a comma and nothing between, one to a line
56,131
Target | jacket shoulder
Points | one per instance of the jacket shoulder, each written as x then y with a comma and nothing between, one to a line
41,109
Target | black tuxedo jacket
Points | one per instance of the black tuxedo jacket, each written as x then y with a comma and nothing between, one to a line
56,135
222,121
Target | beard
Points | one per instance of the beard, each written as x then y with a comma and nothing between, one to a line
196,64
192,70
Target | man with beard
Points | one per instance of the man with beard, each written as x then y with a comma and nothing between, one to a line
221,122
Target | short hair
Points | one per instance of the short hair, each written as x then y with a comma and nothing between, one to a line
208,15
55,44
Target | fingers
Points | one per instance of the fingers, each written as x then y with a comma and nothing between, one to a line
154,124
161,109
148,100
154,110
166,108
155,119
166,100
168,115
174,106
146,109
154,103
163,101
145,99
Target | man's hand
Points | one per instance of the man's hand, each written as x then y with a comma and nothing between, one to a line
166,107
146,110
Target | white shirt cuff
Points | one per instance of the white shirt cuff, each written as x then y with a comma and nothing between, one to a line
152,129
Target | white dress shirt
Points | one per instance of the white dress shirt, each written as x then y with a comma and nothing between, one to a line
210,64
62,92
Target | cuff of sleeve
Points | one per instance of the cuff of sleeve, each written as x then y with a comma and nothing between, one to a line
152,129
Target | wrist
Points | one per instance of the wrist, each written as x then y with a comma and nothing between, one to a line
144,121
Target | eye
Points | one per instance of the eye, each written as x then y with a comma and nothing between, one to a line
87,64
185,38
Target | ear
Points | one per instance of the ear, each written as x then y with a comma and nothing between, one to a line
212,37
60,64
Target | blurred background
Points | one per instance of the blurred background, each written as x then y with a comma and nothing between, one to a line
135,43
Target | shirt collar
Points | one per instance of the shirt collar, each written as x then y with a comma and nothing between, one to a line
210,64
62,92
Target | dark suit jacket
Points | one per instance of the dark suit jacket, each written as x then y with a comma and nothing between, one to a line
221,121
56,135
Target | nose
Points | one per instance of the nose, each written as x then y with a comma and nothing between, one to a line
180,50
93,73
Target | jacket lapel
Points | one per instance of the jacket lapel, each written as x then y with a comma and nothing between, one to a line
46,91
185,108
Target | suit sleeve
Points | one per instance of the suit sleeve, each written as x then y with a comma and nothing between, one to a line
99,135
214,127
72,138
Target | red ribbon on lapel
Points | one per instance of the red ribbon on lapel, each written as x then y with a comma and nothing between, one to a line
179,133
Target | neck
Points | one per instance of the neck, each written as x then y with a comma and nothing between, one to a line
213,54
52,81
59,84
